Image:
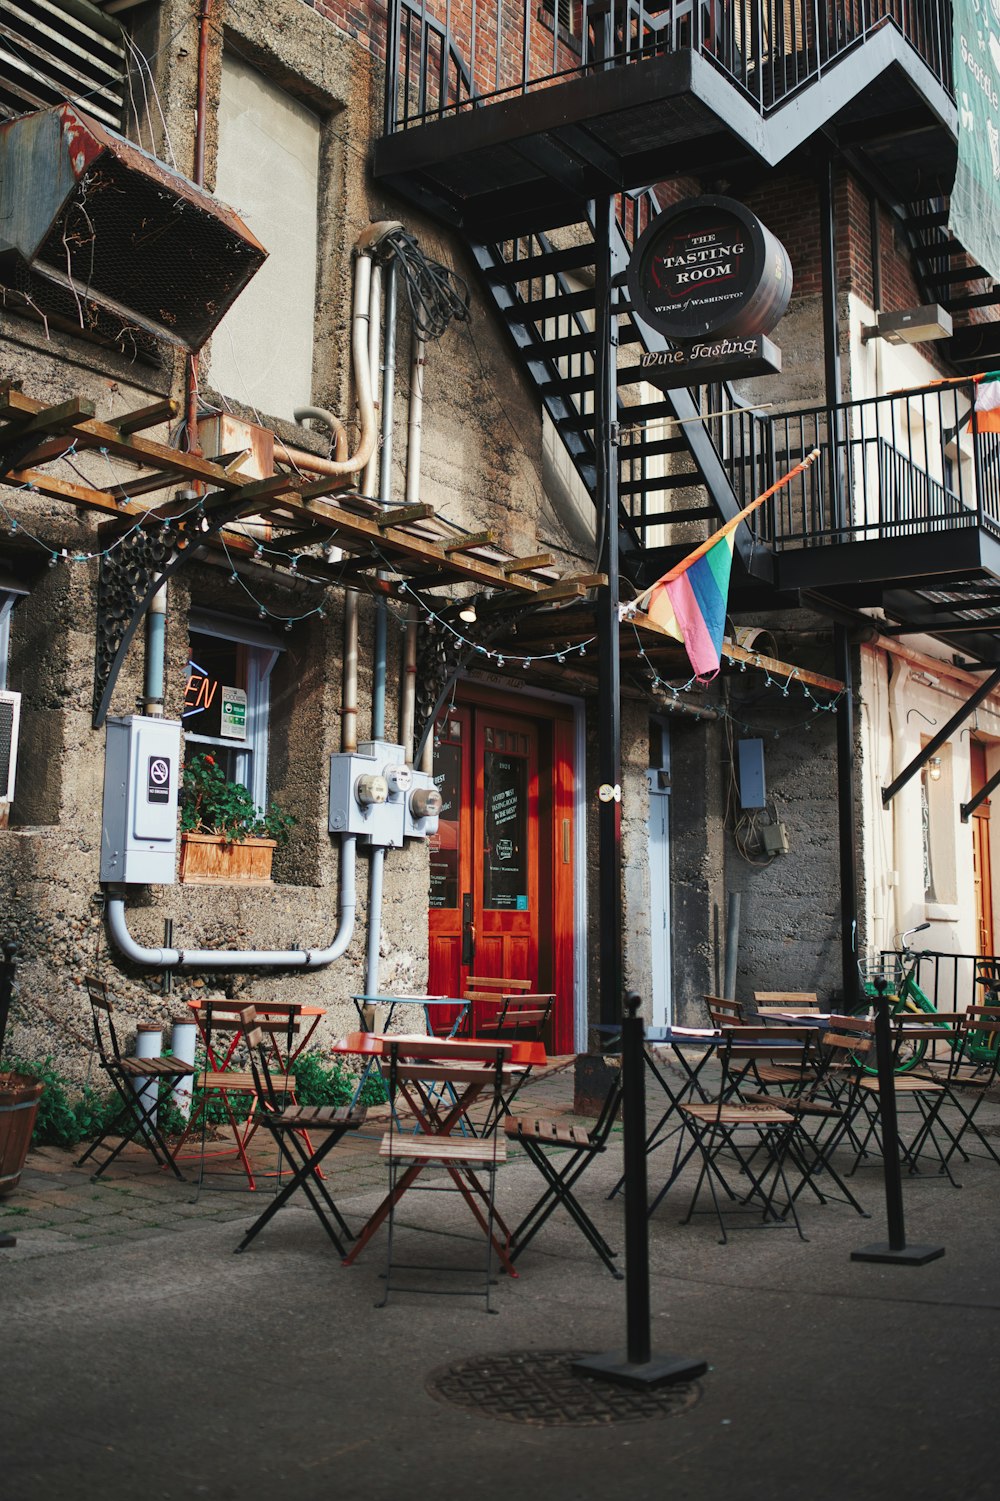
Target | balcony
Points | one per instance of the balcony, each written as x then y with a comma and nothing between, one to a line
901,511
510,115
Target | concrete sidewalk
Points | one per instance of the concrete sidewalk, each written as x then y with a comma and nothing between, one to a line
145,1359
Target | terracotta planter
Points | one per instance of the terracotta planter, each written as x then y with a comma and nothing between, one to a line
211,860
19,1096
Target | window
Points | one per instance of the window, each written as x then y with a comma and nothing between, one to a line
268,169
10,592
227,697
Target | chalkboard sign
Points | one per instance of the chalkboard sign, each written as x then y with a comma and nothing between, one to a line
505,832
708,267
443,846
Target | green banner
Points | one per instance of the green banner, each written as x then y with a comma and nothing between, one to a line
974,214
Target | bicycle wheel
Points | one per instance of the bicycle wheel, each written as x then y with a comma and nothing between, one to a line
909,1050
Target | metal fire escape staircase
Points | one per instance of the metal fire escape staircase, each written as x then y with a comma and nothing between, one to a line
670,474
511,144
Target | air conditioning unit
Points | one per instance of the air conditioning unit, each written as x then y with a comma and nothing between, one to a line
10,723
96,234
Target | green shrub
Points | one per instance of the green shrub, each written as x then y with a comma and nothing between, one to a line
61,1121
319,1083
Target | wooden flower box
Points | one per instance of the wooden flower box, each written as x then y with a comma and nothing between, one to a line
212,860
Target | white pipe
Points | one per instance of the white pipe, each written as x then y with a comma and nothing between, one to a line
183,1035
364,249
330,420
148,1044
369,481
230,959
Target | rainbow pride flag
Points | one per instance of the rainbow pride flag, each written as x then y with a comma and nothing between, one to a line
690,603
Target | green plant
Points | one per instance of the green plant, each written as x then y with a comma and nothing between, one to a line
62,1121
212,804
318,1083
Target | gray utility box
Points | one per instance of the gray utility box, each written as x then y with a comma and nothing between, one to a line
142,760
372,792
423,806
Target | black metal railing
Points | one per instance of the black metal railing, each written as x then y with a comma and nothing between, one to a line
442,59
892,466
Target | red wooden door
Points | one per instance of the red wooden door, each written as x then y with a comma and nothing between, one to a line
501,884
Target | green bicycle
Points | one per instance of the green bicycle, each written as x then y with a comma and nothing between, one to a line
899,971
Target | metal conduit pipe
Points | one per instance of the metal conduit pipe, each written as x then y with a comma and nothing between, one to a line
156,632
240,959
385,490
349,690
375,886
408,703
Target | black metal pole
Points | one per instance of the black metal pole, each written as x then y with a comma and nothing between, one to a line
608,625
636,1365
895,1249
8,964
846,820
636,1195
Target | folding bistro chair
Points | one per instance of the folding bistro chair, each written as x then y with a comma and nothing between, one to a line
969,1070
926,1094
292,1127
579,1147
136,1120
720,1127
486,995
826,1104
521,1018
440,1091
785,1000
222,1080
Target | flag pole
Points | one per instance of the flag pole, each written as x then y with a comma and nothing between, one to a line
703,547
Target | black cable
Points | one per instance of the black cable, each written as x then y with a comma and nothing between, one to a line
436,293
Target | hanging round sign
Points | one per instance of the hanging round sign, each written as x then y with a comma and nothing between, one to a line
707,267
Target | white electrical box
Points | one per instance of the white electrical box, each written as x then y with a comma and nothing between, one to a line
142,759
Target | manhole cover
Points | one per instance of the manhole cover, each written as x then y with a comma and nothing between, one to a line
539,1387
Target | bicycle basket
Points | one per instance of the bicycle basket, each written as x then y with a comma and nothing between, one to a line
886,967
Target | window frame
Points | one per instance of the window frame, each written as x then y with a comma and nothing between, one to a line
263,650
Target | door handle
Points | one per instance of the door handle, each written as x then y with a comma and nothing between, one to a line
468,931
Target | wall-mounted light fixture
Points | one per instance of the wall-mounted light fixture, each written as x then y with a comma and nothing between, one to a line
934,768
468,612
914,325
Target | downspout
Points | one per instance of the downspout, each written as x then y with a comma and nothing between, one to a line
369,485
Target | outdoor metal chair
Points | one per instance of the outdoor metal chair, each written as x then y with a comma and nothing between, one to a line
786,1000
136,1119
966,1075
720,1128
225,1083
577,1149
440,1091
292,1126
